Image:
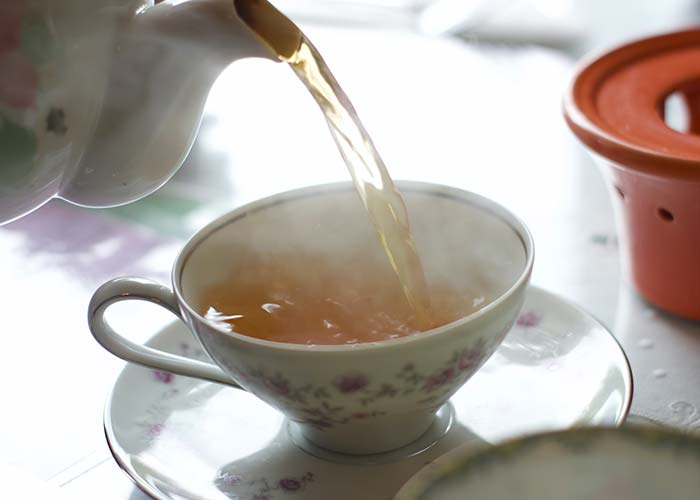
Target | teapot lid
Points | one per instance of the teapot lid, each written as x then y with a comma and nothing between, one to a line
615,104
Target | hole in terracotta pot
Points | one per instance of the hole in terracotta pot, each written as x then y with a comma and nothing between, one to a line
664,214
676,113
681,108
620,192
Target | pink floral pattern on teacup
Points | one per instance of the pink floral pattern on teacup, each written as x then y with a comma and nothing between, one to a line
351,382
316,405
277,385
439,379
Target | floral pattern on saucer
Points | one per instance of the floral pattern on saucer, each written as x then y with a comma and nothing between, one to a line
529,319
240,488
153,422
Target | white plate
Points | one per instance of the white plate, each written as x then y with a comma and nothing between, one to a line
184,438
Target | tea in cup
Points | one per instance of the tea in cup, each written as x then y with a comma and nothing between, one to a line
293,299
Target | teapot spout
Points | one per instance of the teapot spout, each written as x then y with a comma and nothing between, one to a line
164,61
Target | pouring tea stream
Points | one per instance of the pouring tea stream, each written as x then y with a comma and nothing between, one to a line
381,198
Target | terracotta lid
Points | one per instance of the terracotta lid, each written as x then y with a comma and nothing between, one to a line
615,104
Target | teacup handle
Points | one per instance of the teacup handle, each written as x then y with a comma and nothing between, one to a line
120,289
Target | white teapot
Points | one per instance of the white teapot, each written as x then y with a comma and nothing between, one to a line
100,100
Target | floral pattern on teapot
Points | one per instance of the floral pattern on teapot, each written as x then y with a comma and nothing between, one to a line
23,41
23,37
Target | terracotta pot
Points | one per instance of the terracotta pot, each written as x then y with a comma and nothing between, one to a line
615,106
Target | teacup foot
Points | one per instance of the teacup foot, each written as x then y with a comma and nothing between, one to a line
439,427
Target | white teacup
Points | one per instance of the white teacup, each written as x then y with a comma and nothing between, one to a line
362,398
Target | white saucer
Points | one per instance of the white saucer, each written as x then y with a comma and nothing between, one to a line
183,438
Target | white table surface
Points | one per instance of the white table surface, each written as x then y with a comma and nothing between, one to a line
481,118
